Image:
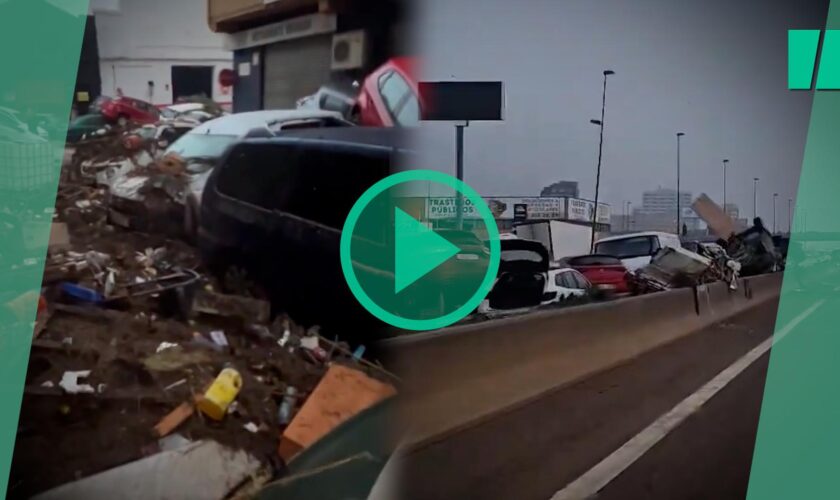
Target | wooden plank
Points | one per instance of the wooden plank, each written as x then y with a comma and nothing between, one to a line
342,393
714,216
174,419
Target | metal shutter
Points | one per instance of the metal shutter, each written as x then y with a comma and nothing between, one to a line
294,69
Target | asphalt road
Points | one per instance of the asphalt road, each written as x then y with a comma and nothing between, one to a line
536,450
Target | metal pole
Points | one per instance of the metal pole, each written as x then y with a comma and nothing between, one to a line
755,197
598,171
725,162
679,134
459,151
790,225
775,195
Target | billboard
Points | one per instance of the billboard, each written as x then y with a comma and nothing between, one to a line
459,101
581,211
505,207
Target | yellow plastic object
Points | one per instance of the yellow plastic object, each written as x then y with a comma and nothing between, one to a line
221,394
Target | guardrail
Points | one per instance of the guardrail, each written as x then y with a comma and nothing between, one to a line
460,376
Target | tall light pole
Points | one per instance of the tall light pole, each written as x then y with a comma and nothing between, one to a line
725,163
629,211
755,197
679,134
600,153
790,223
775,195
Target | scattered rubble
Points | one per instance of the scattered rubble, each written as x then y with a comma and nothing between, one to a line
752,248
738,252
131,341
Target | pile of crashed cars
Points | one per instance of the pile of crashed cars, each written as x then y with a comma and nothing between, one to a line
134,335
736,252
144,185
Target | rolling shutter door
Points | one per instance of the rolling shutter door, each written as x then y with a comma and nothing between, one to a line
294,69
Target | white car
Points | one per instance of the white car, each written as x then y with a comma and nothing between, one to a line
204,145
565,283
636,250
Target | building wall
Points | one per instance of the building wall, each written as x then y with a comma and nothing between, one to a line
140,41
132,77
382,21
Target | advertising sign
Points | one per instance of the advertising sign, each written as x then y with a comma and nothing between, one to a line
581,210
534,208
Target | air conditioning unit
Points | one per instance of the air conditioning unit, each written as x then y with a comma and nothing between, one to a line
348,50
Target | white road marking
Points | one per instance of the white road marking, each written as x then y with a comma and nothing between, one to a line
596,478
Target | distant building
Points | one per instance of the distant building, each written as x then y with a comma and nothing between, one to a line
156,51
621,223
664,200
565,189
732,210
659,212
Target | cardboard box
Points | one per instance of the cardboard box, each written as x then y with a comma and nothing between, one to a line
342,393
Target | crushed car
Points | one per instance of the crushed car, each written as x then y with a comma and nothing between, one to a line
753,248
521,280
183,169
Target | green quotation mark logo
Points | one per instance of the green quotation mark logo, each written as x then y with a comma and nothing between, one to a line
803,46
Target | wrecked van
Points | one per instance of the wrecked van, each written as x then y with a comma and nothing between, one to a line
274,209
637,249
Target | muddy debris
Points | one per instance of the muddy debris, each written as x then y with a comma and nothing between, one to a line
133,332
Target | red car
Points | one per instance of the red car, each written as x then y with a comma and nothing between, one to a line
126,109
389,96
605,272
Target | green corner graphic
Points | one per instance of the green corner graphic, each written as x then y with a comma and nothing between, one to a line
413,272
799,428
417,250
40,45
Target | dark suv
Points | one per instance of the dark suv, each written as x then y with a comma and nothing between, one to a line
275,208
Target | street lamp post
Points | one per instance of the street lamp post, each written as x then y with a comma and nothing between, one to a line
600,153
629,211
679,134
790,225
775,195
755,197
725,163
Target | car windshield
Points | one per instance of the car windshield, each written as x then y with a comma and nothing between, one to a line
626,248
201,145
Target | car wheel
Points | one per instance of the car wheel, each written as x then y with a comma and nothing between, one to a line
122,120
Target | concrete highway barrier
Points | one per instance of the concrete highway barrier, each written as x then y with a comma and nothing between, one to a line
457,377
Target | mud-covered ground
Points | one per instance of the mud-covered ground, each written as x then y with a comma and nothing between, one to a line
62,437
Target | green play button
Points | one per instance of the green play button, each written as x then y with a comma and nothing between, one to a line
413,267
417,250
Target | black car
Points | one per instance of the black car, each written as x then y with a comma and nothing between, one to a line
522,274
274,207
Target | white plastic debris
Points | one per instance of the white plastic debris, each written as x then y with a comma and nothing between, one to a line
286,335
165,345
310,343
219,338
48,384
175,384
70,382
110,283
251,427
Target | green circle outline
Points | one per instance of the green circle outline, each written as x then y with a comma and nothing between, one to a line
356,287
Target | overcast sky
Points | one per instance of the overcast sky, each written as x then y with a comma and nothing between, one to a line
714,69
